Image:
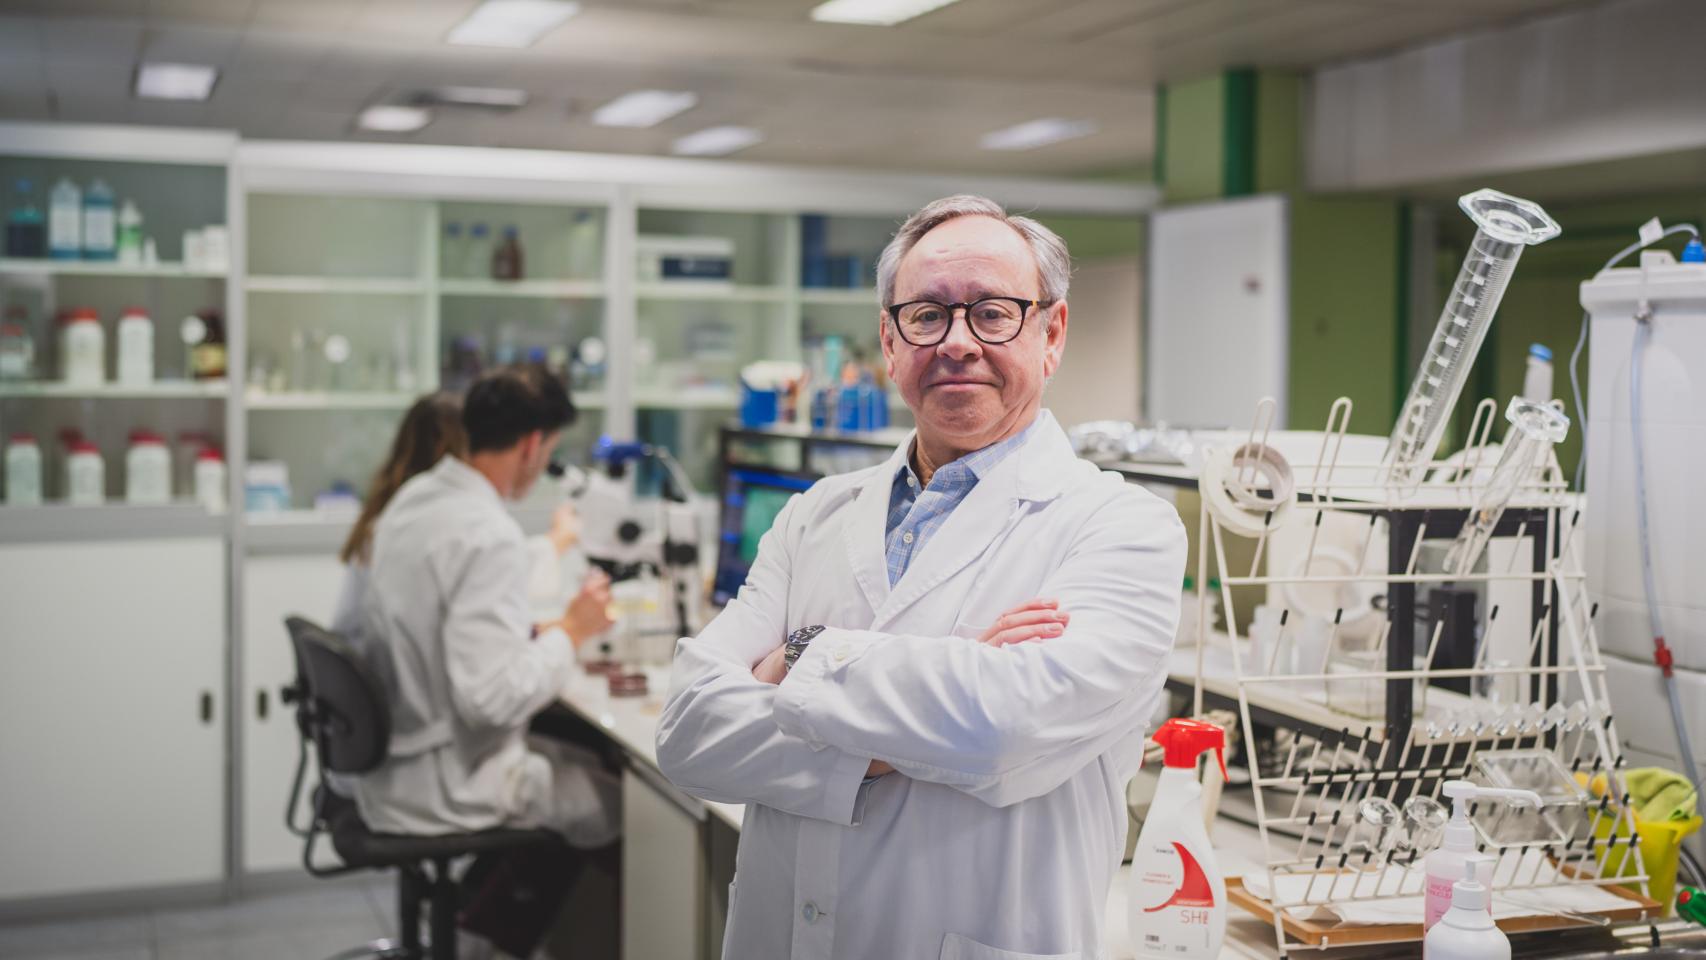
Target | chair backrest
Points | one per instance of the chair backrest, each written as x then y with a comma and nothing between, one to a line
342,708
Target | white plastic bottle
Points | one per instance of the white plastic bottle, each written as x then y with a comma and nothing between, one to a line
129,233
65,221
135,366
147,469
82,348
210,480
1467,931
85,474
1537,376
1177,900
100,222
1444,866
23,471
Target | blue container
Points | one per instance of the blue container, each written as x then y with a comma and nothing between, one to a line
850,410
758,407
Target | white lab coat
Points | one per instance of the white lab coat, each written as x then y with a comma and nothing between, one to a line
999,834
447,625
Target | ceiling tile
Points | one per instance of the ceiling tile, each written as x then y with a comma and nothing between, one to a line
191,43
68,38
321,16
221,12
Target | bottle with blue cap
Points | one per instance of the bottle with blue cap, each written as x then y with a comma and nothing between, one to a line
1537,379
1694,252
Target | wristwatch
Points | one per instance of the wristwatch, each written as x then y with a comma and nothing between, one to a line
797,643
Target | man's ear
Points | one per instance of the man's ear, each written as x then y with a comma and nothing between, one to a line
1054,339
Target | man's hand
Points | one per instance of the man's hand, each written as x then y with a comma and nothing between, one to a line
588,614
772,668
1033,620
565,528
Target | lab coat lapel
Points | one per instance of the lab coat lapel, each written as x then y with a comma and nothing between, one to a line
865,529
984,516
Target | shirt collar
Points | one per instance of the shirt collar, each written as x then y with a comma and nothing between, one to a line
978,463
457,472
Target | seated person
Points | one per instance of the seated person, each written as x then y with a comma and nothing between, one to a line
431,429
446,621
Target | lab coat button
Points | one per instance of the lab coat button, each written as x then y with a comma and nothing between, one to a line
809,911
841,652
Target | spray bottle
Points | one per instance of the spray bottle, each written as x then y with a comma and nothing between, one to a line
1444,867
1177,904
1467,931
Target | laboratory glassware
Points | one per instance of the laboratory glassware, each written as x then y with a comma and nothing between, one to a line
1534,429
1505,225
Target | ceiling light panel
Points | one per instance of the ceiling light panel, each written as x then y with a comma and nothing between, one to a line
879,13
175,81
511,23
1036,133
716,141
644,108
394,119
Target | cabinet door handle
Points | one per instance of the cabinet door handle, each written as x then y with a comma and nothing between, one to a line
207,706
261,704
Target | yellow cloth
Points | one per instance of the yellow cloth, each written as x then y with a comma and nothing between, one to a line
1656,794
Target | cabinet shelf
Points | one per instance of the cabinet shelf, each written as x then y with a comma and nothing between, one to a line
536,289
350,400
696,291
162,390
103,268
377,286
691,398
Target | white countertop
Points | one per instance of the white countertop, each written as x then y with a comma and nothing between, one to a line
631,722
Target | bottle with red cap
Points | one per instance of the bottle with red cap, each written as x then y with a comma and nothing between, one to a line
147,469
85,472
82,347
135,365
210,479
1177,897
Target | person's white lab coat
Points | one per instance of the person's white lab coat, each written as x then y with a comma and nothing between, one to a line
447,624
1000,832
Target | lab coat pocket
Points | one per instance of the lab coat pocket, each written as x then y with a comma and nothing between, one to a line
956,947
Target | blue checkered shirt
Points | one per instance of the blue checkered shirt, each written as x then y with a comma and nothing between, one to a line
915,516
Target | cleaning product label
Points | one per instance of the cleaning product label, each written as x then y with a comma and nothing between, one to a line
1192,890
1438,898
1175,895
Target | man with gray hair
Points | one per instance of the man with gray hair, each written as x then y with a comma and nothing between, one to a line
924,775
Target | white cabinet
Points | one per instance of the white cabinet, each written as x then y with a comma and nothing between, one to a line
275,587
663,870
112,735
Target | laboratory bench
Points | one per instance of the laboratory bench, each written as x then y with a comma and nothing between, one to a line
675,912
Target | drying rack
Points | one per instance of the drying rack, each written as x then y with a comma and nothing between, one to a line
1402,752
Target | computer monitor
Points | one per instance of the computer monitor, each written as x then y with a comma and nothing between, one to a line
752,497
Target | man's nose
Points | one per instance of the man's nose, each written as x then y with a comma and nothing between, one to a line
960,344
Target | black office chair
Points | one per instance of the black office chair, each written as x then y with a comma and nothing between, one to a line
341,709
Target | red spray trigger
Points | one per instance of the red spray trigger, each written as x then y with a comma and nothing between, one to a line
1184,740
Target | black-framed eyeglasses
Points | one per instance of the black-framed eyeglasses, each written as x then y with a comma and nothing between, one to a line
993,320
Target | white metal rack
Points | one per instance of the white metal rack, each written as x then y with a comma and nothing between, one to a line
1403,751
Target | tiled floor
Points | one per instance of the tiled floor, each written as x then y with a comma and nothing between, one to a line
305,924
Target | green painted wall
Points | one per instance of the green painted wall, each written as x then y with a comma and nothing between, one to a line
1191,140
1344,302
1279,131
1089,238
